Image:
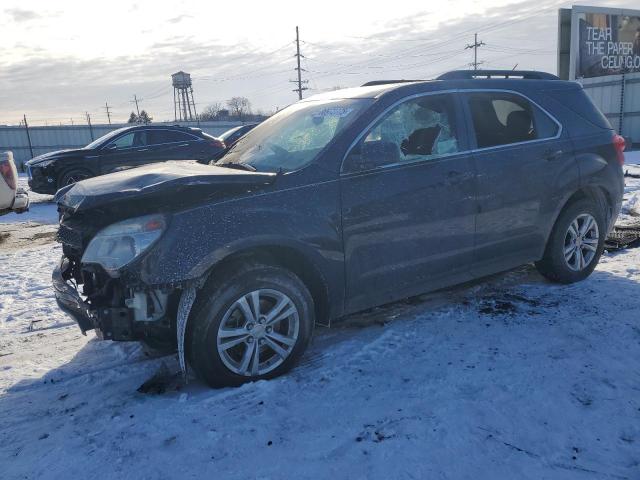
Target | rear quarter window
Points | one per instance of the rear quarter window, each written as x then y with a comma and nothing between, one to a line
579,102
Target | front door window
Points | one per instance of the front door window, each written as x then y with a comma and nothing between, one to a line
422,128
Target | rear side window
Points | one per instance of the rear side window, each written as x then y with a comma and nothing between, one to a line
168,136
504,118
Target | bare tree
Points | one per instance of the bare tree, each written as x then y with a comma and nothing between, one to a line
211,111
239,106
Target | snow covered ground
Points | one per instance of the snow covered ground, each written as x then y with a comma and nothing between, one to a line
632,157
511,377
630,213
508,378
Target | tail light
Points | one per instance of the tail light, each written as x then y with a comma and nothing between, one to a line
217,143
7,174
619,144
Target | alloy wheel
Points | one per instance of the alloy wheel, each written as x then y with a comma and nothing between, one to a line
258,332
581,242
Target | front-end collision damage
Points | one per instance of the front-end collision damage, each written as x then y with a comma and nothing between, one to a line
113,275
187,298
146,188
128,315
68,298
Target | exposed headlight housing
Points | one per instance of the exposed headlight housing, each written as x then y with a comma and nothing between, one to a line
120,243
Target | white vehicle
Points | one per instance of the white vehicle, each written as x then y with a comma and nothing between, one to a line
12,199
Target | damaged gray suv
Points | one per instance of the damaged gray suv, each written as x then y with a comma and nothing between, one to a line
339,203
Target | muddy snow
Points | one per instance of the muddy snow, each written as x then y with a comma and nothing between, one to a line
510,377
35,227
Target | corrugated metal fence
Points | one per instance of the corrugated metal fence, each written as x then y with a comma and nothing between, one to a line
618,97
50,138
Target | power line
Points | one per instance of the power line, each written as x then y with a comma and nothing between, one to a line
372,60
243,74
447,40
247,77
475,47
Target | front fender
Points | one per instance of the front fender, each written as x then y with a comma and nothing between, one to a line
302,218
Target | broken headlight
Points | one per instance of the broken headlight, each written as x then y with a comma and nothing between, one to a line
116,245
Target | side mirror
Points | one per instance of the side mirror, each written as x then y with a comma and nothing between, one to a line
369,155
112,146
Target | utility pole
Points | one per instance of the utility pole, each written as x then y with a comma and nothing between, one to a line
475,47
135,100
106,107
621,112
26,126
89,123
300,88
195,114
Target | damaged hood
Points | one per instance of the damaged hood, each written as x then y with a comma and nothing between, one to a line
57,154
159,184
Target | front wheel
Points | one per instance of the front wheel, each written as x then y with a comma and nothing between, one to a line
253,325
575,245
71,177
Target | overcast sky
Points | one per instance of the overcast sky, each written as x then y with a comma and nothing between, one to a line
61,58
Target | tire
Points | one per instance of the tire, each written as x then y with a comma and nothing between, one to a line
220,318
558,268
72,176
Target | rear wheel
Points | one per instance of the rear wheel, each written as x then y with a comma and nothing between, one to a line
71,177
576,243
254,325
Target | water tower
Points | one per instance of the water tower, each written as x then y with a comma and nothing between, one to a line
184,107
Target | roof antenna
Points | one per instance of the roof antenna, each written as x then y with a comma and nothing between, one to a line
514,67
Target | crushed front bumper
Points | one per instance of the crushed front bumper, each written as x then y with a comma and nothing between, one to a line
109,322
70,301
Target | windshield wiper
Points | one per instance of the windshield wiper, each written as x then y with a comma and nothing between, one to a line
237,166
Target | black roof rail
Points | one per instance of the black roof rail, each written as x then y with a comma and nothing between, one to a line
471,74
387,82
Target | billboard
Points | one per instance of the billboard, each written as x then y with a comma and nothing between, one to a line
608,42
600,49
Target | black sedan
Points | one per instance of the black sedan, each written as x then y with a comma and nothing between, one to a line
233,135
119,150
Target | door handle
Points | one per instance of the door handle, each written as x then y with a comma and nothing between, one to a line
552,154
142,149
184,145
